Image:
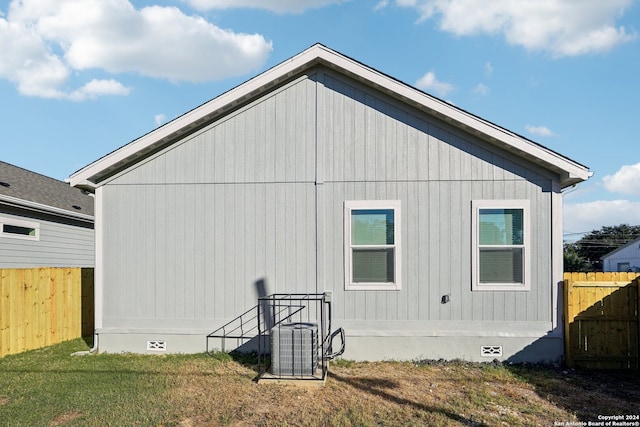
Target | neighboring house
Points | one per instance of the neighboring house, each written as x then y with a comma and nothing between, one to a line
43,222
626,258
439,234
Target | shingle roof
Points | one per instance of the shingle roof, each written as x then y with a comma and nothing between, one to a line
19,186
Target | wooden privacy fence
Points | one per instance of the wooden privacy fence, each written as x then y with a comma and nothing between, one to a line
44,306
601,320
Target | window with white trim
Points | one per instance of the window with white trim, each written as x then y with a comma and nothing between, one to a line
372,244
500,244
19,229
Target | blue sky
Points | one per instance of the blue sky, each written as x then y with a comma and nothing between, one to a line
80,78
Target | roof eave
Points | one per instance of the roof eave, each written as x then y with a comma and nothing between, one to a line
571,172
39,207
91,176
615,251
568,180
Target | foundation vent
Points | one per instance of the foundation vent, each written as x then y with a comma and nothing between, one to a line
156,346
491,351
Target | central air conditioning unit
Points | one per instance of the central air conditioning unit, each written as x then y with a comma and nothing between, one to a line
294,349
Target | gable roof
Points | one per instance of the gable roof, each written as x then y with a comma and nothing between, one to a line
29,190
90,176
621,248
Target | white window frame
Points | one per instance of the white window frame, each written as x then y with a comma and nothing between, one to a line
19,223
351,205
477,205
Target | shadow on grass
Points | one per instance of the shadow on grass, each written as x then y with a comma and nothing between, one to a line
381,387
585,393
88,340
248,360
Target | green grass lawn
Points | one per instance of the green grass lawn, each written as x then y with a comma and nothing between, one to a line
48,387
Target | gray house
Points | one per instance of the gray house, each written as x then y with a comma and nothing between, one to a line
43,222
626,258
438,234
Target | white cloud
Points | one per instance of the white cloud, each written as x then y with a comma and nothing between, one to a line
27,61
488,68
586,217
159,119
381,5
626,180
429,82
539,130
481,89
561,27
45,42
278,6
95,88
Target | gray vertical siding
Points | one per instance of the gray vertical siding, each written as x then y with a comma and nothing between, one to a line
259,195
62,244
375,148
190,231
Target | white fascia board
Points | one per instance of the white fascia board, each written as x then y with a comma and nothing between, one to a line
304,60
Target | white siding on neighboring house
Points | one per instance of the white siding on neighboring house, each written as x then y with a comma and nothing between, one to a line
625,258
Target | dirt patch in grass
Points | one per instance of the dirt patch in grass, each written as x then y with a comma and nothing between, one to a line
65,418
393,393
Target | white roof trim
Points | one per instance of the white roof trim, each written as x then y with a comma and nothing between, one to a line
123,156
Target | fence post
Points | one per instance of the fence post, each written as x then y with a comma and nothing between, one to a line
568,317
636,280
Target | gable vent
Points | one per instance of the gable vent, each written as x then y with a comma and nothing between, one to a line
491,351
156,345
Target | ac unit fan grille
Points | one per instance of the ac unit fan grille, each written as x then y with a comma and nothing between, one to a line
294,349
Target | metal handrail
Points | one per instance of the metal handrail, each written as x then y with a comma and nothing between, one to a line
274,310
224,334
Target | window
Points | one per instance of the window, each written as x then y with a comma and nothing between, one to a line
19,229
372,244
624,266
500,245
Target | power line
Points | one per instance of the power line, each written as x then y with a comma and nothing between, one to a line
575,233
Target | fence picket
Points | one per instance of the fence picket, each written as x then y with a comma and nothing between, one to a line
44,306
602,326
